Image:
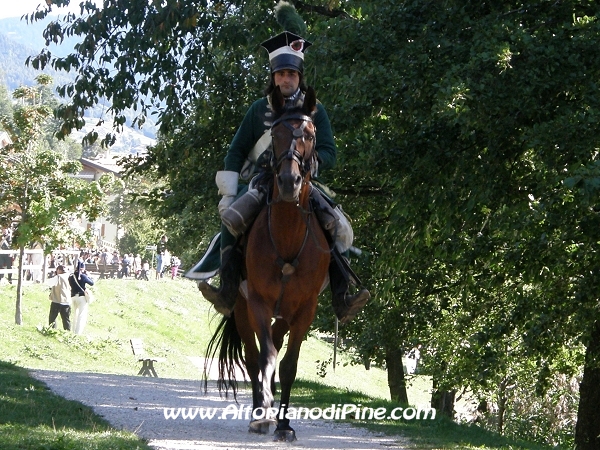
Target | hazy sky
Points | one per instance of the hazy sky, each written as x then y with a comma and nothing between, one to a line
16,8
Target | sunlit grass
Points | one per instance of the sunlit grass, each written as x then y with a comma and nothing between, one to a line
32,417
175,324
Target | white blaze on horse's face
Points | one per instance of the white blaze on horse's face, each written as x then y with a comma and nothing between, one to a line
293,143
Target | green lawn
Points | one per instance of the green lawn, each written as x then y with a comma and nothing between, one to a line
32,417
175,324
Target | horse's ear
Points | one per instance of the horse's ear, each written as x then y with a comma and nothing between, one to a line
310,101
277,101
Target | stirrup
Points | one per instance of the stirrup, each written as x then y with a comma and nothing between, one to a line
213,295
353,304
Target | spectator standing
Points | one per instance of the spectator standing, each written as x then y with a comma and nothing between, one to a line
125,266
161,250
77,283
104,261
145,270
60,298
37,259
175,263
80,261
6,260
137,266
116,264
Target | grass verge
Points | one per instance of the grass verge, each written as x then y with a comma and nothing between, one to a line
175,324
32,417
439,433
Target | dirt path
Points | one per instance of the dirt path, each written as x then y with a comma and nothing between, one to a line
137,404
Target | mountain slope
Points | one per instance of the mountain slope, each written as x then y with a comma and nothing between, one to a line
20,40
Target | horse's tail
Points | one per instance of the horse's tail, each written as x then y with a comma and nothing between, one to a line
228,343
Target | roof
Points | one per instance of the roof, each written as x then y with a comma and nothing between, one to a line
101,165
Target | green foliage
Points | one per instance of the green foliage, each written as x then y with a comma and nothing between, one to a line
134,217
458,123
5,103
423,434
38,189
39,180
467,158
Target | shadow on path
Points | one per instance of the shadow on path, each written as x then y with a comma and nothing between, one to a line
137,404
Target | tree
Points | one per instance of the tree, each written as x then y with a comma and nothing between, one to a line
139,225
467,159
480,118
5,103
41,183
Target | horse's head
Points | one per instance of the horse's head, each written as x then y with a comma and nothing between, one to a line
293,134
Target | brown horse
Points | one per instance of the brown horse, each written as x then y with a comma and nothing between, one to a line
286,262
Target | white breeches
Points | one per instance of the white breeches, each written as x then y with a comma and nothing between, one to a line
79,310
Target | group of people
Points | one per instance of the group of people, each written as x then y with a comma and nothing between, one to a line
68,291
125,266
68,297
166,262
6,260
112,265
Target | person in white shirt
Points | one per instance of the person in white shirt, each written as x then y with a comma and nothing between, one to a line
60,297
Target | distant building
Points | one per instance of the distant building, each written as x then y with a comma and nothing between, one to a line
105,232
4,139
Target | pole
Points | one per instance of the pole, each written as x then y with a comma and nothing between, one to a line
335,343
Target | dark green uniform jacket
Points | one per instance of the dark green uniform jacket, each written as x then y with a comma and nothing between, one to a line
258,119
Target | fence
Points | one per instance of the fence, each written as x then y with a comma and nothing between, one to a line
35,264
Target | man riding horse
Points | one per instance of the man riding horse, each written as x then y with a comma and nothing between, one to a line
249,151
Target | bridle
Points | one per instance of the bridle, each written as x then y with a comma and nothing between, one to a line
292,154
304,162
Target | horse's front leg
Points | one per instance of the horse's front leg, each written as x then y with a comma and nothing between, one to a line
259,317
279,330
287,375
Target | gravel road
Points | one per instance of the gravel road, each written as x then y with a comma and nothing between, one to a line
137,404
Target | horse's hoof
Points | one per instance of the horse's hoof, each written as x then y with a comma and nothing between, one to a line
260,426
258,429
284,435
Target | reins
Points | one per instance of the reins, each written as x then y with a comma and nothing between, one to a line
292,154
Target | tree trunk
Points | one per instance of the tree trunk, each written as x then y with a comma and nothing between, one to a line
502,400
587,431
18,314
24,218
443,401
395,373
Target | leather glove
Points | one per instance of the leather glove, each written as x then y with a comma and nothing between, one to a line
227,182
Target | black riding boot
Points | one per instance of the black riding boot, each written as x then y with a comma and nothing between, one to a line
344,305
224,297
